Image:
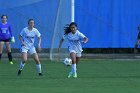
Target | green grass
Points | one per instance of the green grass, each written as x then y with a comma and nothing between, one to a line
94,76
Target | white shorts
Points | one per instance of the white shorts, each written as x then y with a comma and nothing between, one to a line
77,54
30,50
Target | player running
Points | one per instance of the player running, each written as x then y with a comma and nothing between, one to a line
74,38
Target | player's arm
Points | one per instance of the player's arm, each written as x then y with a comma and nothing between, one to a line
21,40
82,36
39,43
60,44
37,33
61,41
12,37
10,31
86,39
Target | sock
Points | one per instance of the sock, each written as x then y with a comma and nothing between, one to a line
72,71
74,68
38,66
21,65
9,56
0,55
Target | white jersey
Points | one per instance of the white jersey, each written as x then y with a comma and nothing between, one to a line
29,36
74,41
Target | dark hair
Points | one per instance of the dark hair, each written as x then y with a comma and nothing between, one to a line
3,16
30,20
67,27
73,23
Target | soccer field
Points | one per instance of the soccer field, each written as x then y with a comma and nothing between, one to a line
94,76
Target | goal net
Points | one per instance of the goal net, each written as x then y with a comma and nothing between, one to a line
64,16
50,17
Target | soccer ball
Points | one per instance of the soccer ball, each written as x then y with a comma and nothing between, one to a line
67,61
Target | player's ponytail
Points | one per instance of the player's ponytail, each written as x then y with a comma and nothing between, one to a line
67,29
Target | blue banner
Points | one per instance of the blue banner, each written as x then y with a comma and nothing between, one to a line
108,23
48,15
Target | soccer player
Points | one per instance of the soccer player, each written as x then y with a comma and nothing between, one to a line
6,36
74,38
138,41
27,37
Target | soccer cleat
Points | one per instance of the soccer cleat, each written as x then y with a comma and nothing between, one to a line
19,72
75,75
40,74
11,63
70,75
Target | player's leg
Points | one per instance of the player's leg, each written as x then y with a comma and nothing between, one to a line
77,60
38,64
136,46
22,63
73,67
9,53
24,51
36,59
78,56
1,48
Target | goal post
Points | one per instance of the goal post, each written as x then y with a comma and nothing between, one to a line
65,15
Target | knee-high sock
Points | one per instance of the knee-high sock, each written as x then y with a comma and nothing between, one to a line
21,65
9,56
73,68
38,66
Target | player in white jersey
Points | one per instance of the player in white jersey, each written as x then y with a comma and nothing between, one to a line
27,37
74,38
